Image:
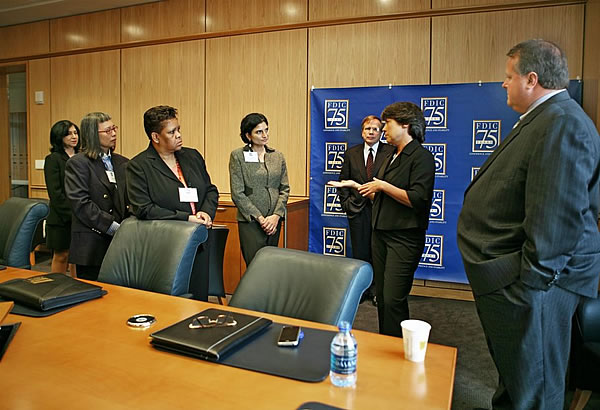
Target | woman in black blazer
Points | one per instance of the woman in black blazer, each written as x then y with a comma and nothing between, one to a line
169,181
64,138
402,193
95,186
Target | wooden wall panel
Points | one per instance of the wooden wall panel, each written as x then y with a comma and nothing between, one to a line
86,30
222,15
440,4
86,83
334,9
38,73
591,62
25,39
257,73
170,74
467,48
5,156
163,19
370,54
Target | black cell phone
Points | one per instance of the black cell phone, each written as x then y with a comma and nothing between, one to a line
289,336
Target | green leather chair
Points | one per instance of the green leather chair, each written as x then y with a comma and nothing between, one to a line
153,255
19,220
303,285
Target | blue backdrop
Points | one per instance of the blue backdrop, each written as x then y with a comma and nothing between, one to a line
465,124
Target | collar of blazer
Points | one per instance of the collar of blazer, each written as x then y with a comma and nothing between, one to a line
248,148
516,131
160,165
98,166
408,150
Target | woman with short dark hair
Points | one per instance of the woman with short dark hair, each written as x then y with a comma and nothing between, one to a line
64,139
259,187
402,193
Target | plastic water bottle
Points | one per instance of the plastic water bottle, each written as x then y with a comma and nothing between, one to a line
344,352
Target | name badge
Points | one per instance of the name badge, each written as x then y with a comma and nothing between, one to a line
111,177
188,195
250,156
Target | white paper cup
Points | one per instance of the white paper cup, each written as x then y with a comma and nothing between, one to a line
415,334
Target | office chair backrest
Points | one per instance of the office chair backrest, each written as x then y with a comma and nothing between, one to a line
218,237
303,285
19,219
153,255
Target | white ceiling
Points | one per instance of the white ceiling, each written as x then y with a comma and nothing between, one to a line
25,11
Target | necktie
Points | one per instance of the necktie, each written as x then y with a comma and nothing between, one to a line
370,164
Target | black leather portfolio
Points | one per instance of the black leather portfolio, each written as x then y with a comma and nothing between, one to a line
49,291
209,334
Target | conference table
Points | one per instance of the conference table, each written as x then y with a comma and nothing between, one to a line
86,357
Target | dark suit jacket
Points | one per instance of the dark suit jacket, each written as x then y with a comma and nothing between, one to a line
414,171
531,210
354,168
153,189
96,204
54,174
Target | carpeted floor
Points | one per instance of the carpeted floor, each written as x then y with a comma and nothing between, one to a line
455,323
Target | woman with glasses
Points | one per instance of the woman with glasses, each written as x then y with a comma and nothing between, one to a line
402,192
95,187
64,139
259,187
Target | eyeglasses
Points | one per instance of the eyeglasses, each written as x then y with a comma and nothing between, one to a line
374,129
109,130
203,322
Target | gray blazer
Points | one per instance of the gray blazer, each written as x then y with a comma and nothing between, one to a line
531,211
258,188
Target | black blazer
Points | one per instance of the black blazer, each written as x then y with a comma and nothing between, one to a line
153,189
414,171
351,200
96,204
54,174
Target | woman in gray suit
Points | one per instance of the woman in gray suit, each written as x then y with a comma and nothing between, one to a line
259,186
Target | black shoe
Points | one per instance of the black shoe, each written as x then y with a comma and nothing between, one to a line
374,301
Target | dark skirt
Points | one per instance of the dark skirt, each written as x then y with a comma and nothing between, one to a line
58,237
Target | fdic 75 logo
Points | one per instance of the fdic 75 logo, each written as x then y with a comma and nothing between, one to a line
336,114
439,155
435,109
334,241
331,201
486,135
334,156
434,251
438,205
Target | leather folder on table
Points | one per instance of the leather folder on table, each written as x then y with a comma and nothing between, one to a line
49,291
209,334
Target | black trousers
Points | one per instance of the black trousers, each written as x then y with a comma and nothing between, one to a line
396,256
88,272
529,334
253,238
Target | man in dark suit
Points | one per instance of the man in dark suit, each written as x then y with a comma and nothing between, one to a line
361,163
527,231
95,186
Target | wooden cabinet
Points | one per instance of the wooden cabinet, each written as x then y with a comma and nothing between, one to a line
295,227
